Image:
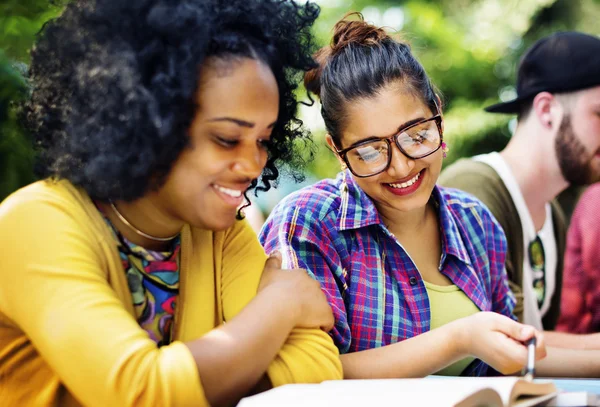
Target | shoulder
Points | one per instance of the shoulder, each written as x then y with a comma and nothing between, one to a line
590,198
466,208
46,197
482,181
51,223
585,212
318,202
467,168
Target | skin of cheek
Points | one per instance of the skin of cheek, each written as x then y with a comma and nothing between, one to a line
189,188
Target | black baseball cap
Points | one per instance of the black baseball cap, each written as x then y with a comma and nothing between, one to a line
561,62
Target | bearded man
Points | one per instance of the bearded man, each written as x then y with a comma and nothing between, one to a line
556,144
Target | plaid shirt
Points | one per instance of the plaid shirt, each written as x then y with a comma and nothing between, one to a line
580,299
333,230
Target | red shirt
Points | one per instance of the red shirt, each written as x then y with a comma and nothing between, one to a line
580,303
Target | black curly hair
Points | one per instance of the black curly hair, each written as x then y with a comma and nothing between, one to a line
113,85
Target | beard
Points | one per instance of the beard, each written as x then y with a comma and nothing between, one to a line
573,158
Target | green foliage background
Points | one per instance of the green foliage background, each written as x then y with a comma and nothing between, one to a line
469,47
20,20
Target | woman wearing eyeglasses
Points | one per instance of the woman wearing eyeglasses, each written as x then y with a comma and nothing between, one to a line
414,272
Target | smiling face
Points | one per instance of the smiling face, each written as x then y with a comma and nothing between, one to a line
238,104
407,184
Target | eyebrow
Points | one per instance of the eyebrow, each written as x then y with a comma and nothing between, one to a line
400,128
239,122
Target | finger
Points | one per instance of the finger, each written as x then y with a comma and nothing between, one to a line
540,348
513,353
274,260
328,326
515,330
527,332
330,322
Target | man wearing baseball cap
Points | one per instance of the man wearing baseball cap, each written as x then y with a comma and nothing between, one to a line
556,144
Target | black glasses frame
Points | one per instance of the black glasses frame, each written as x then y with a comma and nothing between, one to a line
344,152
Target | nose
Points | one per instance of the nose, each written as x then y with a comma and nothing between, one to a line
400,165
250,161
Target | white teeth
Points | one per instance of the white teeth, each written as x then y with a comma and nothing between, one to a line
407,183
231,192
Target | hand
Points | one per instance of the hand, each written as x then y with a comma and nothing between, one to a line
298,290
499,341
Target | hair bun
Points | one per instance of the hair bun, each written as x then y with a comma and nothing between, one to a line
359,32
312,78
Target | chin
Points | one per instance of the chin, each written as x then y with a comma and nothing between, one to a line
217,222
412,204
416,200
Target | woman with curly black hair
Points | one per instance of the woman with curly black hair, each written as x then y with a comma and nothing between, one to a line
152,119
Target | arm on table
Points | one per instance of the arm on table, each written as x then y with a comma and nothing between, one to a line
562,362
488,336
264,335
572,341
54,286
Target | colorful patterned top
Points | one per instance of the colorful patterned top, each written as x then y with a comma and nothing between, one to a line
333,230
153,278
580,301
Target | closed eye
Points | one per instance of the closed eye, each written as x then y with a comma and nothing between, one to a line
226,142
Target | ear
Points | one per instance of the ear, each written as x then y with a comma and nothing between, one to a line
547,110
333,148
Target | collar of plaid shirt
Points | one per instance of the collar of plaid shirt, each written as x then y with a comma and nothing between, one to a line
357,211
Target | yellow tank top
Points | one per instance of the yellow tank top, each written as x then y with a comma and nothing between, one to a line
448,303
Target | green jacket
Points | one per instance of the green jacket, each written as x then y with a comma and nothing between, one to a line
484,182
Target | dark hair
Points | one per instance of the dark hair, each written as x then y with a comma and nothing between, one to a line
525,109
361,60
113,84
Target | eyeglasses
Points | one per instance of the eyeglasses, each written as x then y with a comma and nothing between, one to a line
537,261
373,156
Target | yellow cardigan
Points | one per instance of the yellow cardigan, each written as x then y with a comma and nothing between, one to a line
68,332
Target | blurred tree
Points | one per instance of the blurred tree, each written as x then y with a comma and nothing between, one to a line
470,48
19,22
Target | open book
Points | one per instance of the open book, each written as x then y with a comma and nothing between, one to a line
430,391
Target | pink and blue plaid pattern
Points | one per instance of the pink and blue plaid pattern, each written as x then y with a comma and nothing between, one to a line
333,230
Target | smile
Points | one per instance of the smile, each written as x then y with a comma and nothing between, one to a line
234,193
232,197
407,183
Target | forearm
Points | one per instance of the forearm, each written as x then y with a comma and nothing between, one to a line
414,357
562,362
572,341
233,358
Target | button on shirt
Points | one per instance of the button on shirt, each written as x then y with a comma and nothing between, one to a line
333,230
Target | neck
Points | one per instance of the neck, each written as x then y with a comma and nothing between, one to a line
405,223
145,216
536,170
